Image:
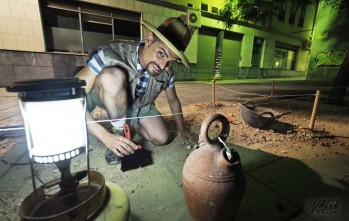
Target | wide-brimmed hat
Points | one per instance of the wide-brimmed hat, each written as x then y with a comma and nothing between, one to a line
175,33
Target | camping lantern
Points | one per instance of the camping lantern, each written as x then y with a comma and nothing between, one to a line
53,112
54,117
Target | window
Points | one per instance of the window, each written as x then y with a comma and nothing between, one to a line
292,17
96,30
125,29
204,7
257,51
62,30
302,16
285,56
77,27
281,10
284,59
214,10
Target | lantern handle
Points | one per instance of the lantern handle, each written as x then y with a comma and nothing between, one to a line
206,125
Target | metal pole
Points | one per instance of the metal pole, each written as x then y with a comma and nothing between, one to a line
313,114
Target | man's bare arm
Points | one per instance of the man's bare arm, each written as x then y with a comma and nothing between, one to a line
176,109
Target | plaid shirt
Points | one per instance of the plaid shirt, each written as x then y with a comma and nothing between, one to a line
97,64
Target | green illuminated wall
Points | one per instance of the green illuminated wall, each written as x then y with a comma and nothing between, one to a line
330,44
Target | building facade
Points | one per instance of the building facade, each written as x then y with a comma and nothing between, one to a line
50,39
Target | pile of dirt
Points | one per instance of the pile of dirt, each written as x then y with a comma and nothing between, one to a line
289,134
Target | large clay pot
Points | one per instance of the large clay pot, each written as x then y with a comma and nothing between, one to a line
213,185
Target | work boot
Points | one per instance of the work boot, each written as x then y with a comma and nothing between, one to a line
110,156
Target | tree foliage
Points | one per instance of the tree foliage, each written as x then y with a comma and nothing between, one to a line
264,11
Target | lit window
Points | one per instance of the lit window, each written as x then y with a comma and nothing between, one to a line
284,59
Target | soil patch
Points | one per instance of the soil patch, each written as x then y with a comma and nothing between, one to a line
289,135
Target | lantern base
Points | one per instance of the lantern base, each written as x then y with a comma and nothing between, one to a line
116,206
41,205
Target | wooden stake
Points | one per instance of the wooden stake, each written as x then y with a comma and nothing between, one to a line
214,91
313,114
272,88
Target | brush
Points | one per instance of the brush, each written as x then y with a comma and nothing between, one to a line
139,158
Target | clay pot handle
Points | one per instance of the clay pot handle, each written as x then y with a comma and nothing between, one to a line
206,125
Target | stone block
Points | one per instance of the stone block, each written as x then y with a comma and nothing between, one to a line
45,59
21,72
62,72
47,72
34,72
63,60
18,58
4,57
7,74
81,60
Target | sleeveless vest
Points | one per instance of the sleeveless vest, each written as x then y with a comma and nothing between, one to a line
123,55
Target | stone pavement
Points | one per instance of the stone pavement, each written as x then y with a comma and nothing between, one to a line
278,188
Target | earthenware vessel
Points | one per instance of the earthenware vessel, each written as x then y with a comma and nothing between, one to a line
213,184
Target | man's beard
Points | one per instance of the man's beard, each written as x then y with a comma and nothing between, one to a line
152,73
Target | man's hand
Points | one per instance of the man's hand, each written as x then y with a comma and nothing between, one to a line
120,145
176,108
188,138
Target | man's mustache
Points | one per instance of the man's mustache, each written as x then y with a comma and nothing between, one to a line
154,63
